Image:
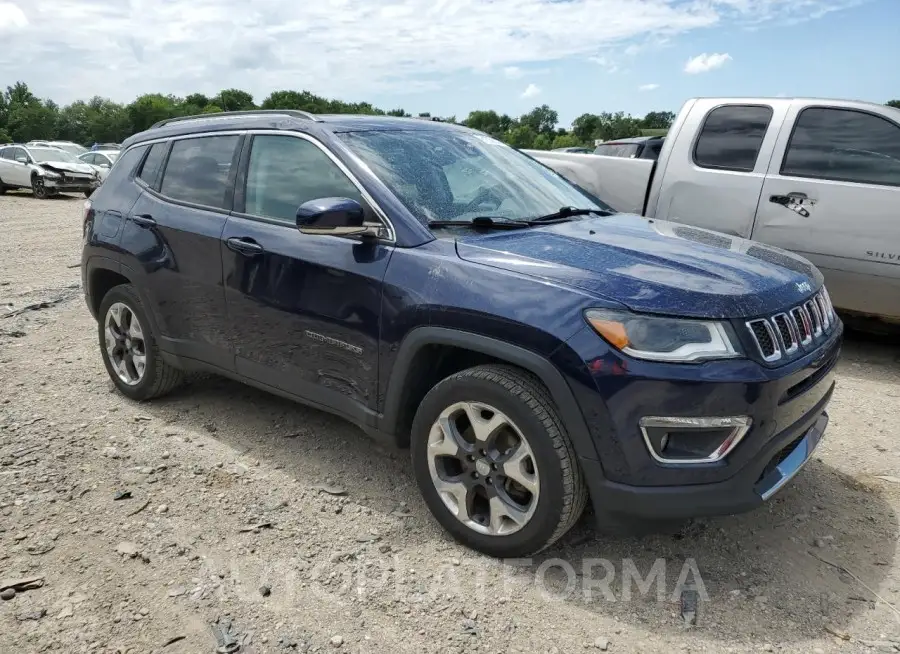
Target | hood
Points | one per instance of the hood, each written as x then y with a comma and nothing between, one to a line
62,166
653,266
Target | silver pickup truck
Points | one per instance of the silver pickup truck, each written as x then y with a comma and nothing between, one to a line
818,177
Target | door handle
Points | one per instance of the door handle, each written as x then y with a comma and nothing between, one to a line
799,203
246,246
144,220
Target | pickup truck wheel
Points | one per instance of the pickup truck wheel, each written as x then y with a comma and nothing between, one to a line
494,463
129,348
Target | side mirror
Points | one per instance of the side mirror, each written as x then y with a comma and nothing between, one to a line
22,160
104,165
336,216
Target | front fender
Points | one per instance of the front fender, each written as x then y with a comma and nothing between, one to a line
536,364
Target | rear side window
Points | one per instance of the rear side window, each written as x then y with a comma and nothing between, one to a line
6,153
198,169
844,145
286,171
731,137
150,170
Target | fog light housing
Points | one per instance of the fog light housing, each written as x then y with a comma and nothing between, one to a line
692,440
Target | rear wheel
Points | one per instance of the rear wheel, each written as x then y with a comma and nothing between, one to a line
129,348
494,463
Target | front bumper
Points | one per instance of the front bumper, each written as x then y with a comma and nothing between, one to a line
786,406
71,184
781,460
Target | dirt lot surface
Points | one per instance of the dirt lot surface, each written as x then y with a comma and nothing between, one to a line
344,556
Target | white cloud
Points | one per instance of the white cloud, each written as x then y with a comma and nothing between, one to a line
648,87
336,48
703,63
605,62
11,17
531,91
513,72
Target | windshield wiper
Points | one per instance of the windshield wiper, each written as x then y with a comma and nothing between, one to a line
567,213
482,222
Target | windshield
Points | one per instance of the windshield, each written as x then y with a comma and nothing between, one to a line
52,154
457,175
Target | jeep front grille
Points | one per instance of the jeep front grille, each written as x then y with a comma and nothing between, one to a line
784,333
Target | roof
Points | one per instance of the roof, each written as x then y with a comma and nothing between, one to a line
283,120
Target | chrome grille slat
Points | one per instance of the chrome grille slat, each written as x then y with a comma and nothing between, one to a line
813,311
783,334
787,332
766,340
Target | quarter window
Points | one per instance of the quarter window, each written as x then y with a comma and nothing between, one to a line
731,137
286,171
844,145
127,162
150,169
198,169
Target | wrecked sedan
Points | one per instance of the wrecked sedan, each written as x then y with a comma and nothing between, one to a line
46,171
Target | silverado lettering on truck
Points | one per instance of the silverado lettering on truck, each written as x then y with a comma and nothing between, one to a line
534,349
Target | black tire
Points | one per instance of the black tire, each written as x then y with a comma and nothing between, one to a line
38,189
525,400
159,377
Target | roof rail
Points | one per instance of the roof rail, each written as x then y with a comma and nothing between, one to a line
295,113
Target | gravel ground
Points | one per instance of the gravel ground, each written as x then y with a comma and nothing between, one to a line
284,529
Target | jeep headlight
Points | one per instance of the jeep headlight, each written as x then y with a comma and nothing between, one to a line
49,174
659,338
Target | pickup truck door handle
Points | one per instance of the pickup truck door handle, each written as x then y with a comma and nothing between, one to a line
144,220
799,203
246,246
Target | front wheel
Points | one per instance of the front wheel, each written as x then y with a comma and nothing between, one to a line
38,188
494,463
129,348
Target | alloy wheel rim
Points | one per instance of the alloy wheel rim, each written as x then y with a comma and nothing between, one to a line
483,468
125,344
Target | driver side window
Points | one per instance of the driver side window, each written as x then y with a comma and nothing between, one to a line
286,171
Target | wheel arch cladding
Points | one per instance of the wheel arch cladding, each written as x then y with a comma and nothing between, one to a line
101,280
406,388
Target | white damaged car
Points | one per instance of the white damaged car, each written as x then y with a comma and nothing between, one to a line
46,171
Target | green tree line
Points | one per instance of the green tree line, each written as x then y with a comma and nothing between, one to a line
25,117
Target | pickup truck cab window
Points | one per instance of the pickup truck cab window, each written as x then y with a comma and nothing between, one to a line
285,172
455,175
732,136
844,145
198,168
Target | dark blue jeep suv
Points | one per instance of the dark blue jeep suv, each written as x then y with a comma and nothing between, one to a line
445,292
